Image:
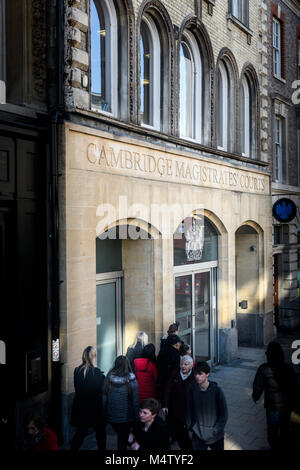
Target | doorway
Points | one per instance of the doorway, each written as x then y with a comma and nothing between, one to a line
109,319
195,309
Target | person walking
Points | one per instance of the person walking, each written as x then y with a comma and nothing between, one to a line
150,432
175,398
120,399
168,359
206,411
135,350
87,409
146,373
278,381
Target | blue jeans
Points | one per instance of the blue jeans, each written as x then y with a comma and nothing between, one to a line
278,425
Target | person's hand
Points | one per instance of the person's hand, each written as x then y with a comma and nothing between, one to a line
191,435
130,438
135,446
165,410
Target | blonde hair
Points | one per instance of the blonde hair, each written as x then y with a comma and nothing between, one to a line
86,359
141,337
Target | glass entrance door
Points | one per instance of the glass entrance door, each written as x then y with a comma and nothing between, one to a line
183,302
202,316
195,302
109,323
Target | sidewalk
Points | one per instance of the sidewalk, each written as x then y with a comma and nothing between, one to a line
246,426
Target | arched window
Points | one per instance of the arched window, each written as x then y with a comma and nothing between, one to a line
190,98
104,59
150,79
246,117
223,106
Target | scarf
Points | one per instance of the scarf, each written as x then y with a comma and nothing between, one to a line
185,376
29,443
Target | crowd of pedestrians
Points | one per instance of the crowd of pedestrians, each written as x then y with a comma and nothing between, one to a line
152,401
149,401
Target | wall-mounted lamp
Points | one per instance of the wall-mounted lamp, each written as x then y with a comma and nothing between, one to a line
243,304
253,248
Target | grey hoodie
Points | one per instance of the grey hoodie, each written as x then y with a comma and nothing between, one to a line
206,412
117,404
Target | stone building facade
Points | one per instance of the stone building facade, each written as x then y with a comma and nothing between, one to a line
285,144
165,133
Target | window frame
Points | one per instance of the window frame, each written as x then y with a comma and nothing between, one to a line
155,74
298,57
189,40
276,47
278,143
246,117
111,56
240,10
2,54
222,70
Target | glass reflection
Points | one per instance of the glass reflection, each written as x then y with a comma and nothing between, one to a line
186,91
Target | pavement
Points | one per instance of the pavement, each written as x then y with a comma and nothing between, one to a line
246,426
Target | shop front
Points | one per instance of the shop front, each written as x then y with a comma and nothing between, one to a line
152,235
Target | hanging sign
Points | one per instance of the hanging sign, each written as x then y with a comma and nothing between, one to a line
284,210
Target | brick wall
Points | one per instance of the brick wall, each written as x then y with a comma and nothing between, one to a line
283,89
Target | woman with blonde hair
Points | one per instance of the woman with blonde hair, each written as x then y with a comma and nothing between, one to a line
87,409
135,351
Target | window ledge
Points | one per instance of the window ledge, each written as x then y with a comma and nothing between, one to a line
178,141
283,80
232,19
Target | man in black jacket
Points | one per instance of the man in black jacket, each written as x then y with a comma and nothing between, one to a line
206,411
279,382
168,360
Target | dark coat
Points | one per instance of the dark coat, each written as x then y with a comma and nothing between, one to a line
168,360
279,382
156,438
134,353
206,412
87,407
175,397
121,401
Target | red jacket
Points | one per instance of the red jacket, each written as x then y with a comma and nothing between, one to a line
146,373
49,441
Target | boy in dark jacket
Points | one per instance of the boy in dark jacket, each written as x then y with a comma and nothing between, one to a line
150,432
206,411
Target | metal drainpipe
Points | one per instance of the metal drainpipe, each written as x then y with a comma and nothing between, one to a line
55,317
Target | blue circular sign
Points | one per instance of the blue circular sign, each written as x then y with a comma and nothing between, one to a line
284,210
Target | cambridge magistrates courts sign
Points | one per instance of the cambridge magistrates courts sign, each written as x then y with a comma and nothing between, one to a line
128,159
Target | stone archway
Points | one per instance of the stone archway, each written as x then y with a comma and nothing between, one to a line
249,295
125,265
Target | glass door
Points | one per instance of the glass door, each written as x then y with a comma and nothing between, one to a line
183,306
202,320
109,323
195,309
